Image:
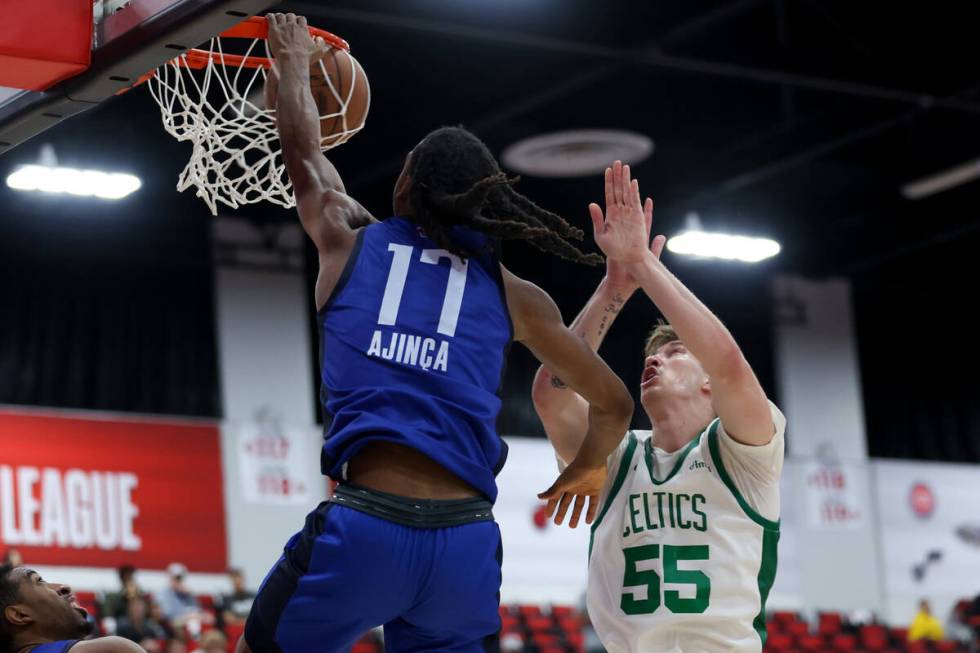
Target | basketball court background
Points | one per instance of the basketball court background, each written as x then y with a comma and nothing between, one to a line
801,121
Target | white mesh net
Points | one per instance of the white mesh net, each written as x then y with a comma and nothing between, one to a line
219,108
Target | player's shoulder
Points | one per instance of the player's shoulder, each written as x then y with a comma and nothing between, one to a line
111,644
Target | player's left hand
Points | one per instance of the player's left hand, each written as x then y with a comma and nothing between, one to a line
622,233
579,483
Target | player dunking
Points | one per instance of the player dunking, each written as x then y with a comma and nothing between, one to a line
41,617
415,315
683,552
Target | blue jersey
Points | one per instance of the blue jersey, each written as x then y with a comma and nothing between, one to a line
55,647
413,344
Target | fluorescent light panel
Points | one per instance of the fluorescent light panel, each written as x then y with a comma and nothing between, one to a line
941,181
92,183
723,246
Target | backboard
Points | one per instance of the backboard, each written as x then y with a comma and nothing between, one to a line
131,38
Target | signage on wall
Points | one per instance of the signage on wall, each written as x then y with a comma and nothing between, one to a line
102,492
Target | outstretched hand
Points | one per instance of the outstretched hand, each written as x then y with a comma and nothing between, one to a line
579,483
623,232
289,34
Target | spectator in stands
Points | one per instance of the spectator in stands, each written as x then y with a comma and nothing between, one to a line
136,625
212,641
233,608
115,604
175,645
925,625
177,604
13,558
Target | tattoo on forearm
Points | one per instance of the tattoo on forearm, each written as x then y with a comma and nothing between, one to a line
557,383
611,311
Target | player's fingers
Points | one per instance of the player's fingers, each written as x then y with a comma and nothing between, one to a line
289,19
577,510
648,215
551,493
658,245
566,499
595,212
301,21
624,181
634,196
617,182
593,509
610,195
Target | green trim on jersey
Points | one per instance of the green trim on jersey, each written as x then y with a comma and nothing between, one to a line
621,474
648,455
767,574
727,480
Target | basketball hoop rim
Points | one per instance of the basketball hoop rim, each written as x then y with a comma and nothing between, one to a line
255,27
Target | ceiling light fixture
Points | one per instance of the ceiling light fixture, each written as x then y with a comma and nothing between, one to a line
703,244
59,180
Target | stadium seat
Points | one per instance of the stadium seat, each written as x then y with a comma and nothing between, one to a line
539,624
798,628
528,611
810,642
779,642
844,643
562,611
918,646
829,623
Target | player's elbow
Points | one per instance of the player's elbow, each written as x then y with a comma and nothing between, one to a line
542,390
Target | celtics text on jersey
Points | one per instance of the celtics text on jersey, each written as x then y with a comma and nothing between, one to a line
680,562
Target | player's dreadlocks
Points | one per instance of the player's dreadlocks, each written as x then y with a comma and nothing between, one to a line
8,596
456,181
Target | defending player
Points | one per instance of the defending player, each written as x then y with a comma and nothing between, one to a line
683,552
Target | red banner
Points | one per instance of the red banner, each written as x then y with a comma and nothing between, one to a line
96,492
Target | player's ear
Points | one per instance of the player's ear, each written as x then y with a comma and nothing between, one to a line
18,615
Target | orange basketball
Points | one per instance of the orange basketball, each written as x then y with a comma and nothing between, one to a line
343,96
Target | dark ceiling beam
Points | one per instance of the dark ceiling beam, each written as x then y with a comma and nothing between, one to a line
868,264
647,57
774,168
688,29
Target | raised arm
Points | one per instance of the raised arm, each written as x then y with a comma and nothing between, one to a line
328,214
538,325
737,396
563,412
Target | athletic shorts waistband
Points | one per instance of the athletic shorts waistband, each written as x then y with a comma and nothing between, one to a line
407,511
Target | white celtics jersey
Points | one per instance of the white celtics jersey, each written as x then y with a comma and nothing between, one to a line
682,562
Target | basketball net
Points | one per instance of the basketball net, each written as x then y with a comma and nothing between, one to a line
215,102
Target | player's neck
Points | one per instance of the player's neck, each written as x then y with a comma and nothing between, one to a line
29,641
676,422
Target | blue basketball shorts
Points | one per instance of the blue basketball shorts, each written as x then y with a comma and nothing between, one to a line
367,559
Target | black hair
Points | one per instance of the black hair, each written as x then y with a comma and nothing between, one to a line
9,594
456,181
126,571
